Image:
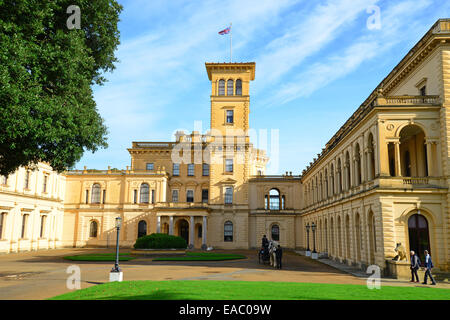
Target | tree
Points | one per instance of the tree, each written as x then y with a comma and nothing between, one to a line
46,72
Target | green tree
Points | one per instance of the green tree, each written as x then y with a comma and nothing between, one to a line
46,73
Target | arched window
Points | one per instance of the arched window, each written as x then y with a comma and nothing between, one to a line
239,87
275,232
142,228
371,160
228,231
144,193
221,87
274,202
419,238
230,85
358,174
93,229
95,196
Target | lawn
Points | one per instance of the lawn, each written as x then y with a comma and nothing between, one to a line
202,256
100,257
245,290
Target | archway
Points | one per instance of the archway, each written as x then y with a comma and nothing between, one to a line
419,236
413,152
142,228
183,229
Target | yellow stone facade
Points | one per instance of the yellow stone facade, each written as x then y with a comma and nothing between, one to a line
382,179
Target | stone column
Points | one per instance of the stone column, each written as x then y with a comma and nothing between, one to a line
191,232
369,165
204,226
430,160
398,168
158,224
171,225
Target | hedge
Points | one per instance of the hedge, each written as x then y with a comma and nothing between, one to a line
160,241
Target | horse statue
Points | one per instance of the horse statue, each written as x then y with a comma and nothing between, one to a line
273,245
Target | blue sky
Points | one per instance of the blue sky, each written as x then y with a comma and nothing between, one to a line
316,62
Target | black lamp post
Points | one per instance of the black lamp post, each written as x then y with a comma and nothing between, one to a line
116,265
307,235
313,228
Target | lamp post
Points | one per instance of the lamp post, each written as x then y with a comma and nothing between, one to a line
116,274
308,251
314,254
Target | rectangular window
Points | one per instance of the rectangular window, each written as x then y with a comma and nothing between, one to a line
42,231
190,169
44,186
104,196
27,179
228,195
174,195
176,169
153,196
423,91
190,196
230,116
2,223
149,166
135,196
87,196
229,165
24,226
205,169
200,231
228,232
205,195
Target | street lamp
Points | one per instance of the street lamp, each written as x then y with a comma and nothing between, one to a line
314,253
308,251
116,274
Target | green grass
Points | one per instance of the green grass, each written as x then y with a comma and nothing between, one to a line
244,290
202,256
100,257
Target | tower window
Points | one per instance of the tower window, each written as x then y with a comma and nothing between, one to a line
221,87
229,165
230,85
230,116
239,87
149,166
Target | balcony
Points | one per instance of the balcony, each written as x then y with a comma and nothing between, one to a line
408,100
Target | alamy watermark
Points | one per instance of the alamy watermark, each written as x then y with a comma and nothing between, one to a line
374,280
374,21
74,280
74,20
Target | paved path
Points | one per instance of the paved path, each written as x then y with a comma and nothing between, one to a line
42,274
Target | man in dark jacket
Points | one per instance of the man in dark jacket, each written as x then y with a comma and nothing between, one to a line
279,255
428,267
265,241
415,265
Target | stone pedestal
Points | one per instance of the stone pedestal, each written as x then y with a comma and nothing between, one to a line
314,255
308,253
115,276
401,270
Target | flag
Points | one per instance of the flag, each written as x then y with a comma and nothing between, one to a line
225,31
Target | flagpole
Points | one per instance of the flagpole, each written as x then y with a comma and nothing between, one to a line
231,43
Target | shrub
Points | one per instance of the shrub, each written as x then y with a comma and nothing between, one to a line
160,241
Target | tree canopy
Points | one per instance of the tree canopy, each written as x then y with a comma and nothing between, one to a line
46,76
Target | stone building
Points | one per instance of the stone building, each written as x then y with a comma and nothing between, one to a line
382,179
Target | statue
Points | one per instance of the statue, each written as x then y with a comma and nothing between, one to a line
401,252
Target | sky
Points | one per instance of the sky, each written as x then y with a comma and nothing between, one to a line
316,62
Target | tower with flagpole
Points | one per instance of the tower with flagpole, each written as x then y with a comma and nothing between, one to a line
229,31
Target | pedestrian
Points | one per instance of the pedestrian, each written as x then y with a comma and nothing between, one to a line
279,255
415,265
428,266
265,241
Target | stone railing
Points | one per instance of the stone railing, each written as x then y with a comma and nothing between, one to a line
408,100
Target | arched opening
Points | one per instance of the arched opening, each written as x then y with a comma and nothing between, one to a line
339,234
333,240
358,174
230,87
348,254
326,184
358,237
347,171
93,229
221,87
144,193
320,195
183,229
413,152
419,237
274,196
372,237
142,228
371,158
339,176
275,232
332,181
239,87
95,195
228,231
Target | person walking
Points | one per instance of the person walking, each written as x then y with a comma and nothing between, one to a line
415,265
428,267
279,255
265,241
